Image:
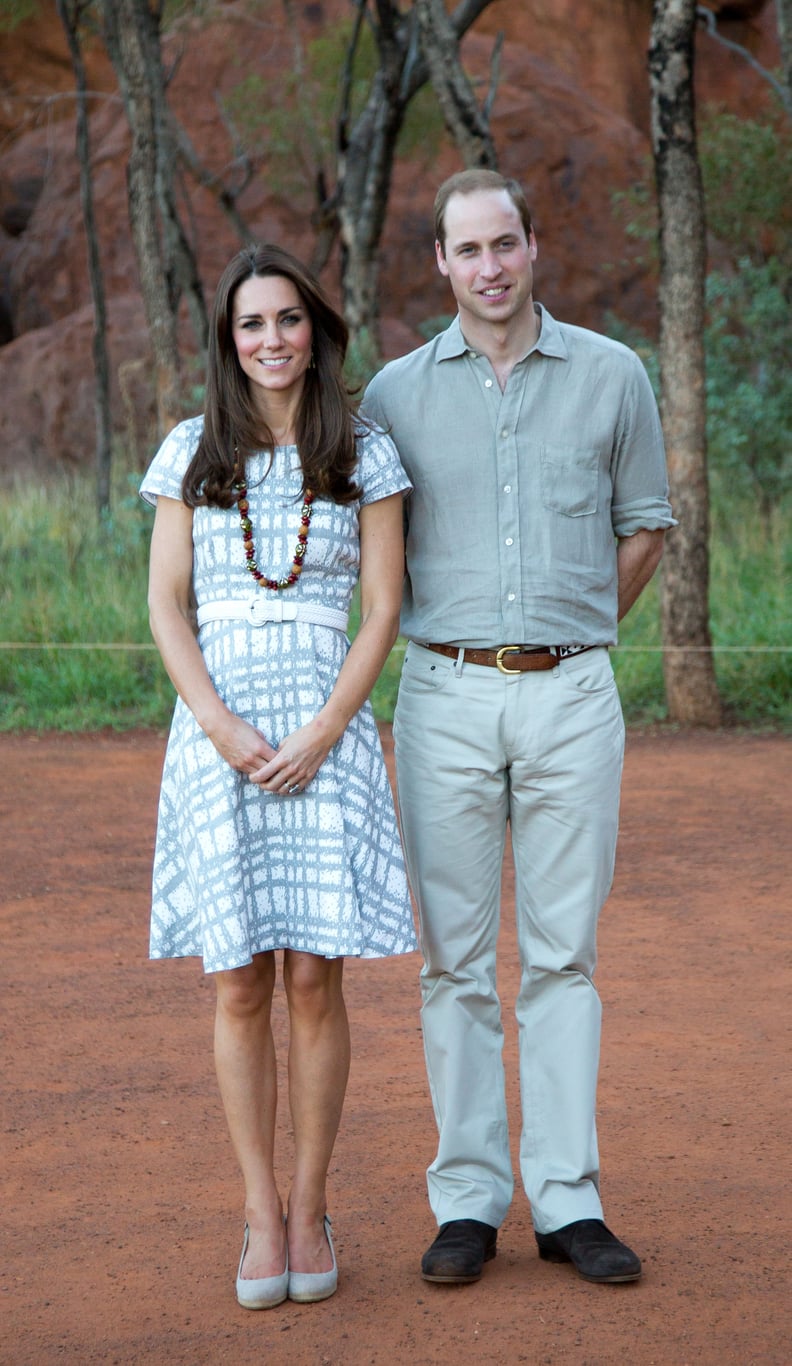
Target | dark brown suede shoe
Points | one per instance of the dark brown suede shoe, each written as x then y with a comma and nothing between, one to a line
593,1251
459,1251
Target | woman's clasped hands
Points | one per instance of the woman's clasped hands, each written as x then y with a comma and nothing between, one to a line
284,771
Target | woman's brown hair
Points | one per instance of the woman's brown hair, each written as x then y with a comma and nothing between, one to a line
326,422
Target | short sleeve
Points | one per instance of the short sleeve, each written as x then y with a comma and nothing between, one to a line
379,472
165,473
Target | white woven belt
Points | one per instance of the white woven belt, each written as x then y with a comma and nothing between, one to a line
257,611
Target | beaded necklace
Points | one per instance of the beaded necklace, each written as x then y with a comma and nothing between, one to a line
243,504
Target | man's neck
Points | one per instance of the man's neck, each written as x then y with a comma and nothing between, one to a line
504,344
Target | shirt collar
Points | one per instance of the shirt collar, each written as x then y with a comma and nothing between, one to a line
550,341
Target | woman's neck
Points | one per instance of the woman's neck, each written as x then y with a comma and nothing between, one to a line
280,416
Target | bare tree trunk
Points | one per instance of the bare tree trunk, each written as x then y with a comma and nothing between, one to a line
465,121
365,166
71,13
125,22
166,261
691,688
366,151
784,12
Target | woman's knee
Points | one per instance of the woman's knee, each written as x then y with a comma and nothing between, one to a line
313,985
248,989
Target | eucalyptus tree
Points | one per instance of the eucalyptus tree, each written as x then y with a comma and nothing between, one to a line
72,14
691,687
166,262
414,44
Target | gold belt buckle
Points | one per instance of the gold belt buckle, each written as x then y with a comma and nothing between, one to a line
507,650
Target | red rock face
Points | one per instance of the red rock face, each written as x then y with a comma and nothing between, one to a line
570,120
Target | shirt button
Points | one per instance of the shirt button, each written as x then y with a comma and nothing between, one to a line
488,384
510,540
505,431
507,488
510,597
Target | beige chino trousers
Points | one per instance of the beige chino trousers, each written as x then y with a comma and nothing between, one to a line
477,751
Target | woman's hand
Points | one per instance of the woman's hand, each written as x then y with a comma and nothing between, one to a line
240,744
297,760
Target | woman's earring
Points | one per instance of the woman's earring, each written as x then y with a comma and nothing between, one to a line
312,362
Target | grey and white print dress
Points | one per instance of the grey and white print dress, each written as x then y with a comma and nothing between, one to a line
238,870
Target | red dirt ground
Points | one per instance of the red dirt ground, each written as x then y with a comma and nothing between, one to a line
121,1205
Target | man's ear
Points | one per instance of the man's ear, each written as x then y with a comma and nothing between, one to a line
441,260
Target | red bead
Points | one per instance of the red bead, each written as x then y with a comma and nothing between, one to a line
250,549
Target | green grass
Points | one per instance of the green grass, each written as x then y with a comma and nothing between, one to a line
67,583
72,586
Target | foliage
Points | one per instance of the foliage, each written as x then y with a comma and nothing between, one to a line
174,10
636,210
362,361
747,170
291,123
15,12
432,327
749,382
746,167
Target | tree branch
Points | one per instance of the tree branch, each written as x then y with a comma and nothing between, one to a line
466,14
710,22
225,195
464,120
486,108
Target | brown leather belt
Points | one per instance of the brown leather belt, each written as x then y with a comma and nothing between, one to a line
521,659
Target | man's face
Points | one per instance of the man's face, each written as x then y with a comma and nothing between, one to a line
487,259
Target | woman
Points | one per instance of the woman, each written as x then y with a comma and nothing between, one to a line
276,824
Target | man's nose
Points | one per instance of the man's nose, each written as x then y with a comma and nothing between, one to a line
489,265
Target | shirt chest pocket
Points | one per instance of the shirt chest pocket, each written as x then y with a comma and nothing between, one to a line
570,479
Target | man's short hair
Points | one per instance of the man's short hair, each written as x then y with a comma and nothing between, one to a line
467,182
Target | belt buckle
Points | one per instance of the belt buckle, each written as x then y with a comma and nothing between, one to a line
259,611
506,650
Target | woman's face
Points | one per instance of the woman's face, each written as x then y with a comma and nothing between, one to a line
272,334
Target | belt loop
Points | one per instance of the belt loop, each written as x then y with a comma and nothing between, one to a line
460,659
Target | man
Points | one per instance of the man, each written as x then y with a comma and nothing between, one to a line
537,518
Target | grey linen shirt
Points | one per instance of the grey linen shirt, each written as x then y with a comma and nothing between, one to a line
518,497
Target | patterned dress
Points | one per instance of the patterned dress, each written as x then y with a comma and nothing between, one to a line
238,870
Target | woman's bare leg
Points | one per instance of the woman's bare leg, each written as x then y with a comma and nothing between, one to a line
246,1072
318,1071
